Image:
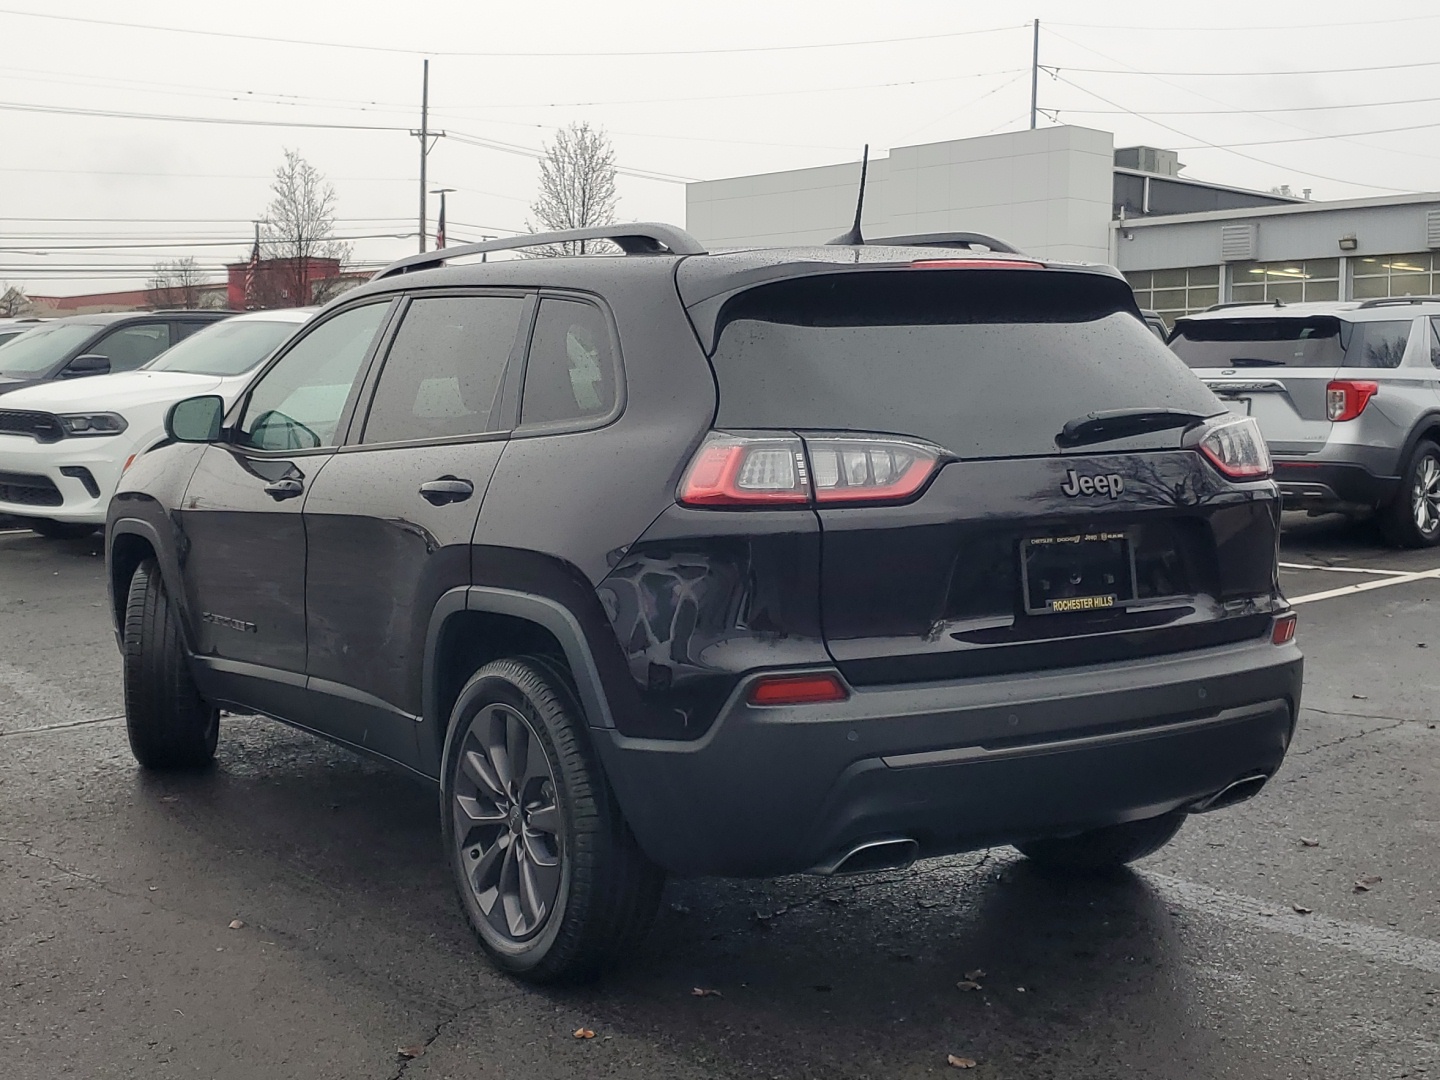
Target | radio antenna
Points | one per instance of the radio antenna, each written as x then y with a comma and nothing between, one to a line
853,238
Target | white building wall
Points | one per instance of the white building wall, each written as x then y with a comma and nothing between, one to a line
1048,192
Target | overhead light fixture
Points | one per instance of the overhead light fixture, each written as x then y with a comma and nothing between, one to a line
1348,242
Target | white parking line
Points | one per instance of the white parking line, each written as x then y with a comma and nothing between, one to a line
1366,586
1342,569
1371,942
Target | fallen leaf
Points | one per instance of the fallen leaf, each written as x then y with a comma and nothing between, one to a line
1300,909
412,1052
1361,697
978,973
968,984
1422,645
584,1033
1306,841
1363,884
237,924
701,992
959,1062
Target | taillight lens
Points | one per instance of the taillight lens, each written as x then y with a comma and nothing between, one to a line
976,264
1345,400
1237,449
760,470
858,470
735,470
797,689
1283,632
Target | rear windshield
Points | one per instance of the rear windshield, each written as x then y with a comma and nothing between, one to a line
226,348
1321,341
985,363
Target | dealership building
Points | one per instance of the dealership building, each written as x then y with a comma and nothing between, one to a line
1068,193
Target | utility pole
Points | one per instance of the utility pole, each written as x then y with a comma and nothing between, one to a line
1034,85
426,137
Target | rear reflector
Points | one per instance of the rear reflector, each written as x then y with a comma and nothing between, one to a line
1345,400
1284,630
798,689
976,264
1237,449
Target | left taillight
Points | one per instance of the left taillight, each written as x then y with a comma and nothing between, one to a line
1237,448
761,470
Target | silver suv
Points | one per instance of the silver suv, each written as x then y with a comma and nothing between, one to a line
1347,395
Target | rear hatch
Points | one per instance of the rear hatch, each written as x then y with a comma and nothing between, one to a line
1017,553
1278,368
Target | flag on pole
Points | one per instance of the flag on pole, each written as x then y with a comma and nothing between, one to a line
440,224
250,271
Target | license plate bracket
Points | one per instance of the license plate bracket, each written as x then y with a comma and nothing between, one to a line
1089,570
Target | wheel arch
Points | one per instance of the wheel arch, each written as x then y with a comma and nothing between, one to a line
1427,427
473,625
130,543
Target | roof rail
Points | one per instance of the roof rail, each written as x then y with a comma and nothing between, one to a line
634,238
1389,301
1244,303
947,239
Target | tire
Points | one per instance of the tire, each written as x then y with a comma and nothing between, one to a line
548,874
1412,519
170,725
1106,848
61,530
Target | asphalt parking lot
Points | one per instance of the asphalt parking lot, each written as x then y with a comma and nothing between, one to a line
1297,935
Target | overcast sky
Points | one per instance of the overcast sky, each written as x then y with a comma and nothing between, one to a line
685,90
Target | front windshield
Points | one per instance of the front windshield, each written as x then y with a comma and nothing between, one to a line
227,348
35,352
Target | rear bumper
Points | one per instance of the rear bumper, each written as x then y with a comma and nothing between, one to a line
1317,485
956,766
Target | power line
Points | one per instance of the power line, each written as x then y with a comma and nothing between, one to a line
501,54
525,151
1290,27
111,114
1260,111
1249,74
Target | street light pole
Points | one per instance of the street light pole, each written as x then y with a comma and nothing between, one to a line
1035,76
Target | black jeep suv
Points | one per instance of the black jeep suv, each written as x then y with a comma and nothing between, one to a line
751,563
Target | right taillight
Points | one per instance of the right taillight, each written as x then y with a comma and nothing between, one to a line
1346,399
735,471
1237,448
1283,630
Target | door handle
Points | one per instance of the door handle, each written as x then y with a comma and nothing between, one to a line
287,488
446,489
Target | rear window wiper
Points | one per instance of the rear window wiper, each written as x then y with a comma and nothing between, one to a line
1100,427
1254,361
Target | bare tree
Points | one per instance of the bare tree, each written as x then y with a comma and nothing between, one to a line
13,302
297,236
577,187
177,284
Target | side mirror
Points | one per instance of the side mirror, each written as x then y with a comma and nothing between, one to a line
89,364
196,419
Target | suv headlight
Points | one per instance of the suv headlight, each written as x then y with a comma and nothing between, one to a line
105,423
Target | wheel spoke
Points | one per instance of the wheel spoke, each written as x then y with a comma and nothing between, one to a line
533,903
485,873
517,749
479,812
497,747
482,774
544,819
509,906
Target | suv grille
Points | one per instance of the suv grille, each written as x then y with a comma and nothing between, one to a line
26,490
41,426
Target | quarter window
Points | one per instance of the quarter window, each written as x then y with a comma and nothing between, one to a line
296,405
570,372
131,346
444,371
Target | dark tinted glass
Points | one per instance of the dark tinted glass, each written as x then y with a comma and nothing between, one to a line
131,346
1317,341
982,362
570,372
442,377
296,405
1435,342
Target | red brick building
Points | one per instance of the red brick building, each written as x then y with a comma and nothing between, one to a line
287,282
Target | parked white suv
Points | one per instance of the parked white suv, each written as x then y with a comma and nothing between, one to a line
64,445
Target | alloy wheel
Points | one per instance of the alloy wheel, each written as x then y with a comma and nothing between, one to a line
507,823
1425,496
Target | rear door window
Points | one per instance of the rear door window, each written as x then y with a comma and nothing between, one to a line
570,370
985,363
1319,341
443,375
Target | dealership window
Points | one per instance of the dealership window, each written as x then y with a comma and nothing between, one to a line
1394,275
1174,293
1288,282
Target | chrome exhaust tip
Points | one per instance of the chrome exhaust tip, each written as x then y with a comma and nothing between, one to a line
892,853
1235,792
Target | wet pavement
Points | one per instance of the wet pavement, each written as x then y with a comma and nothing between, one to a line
1246,949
